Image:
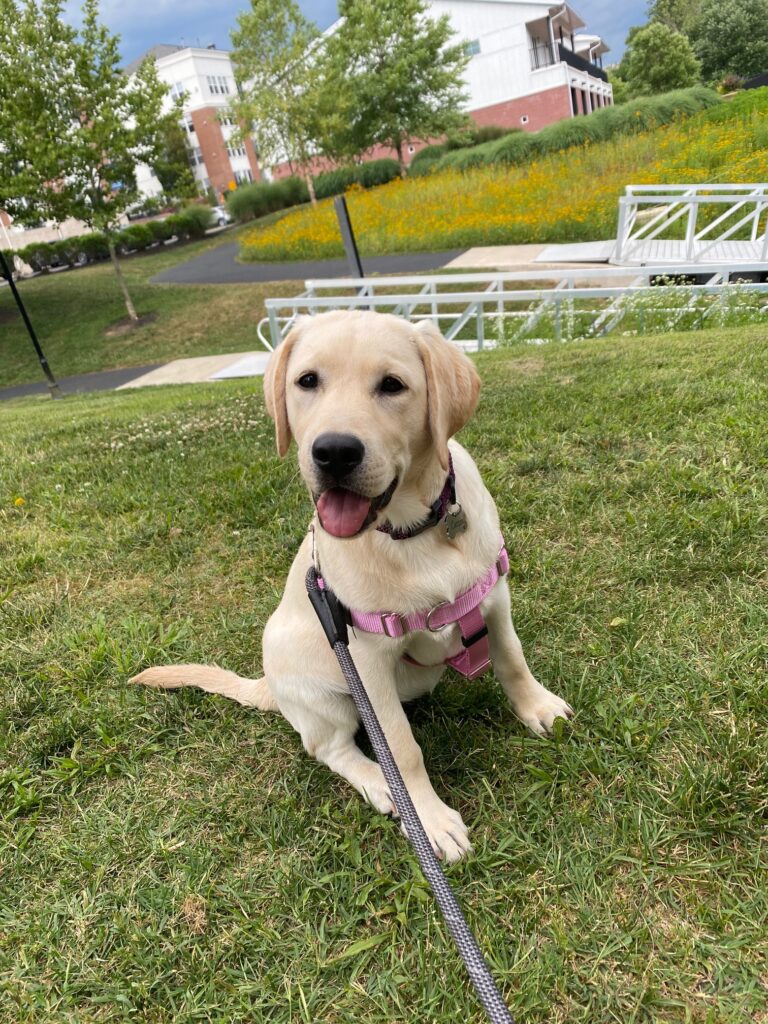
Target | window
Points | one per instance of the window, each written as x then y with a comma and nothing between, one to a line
187,123
243,177
524,119
226,119
472,47
197,156
178,91
218,85
236,149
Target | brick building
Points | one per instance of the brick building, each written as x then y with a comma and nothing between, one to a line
205,80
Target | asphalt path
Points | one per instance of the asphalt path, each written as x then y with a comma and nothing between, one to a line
219,266
81,384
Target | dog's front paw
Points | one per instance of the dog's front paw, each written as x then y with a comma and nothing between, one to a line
538,709
377,794
445,829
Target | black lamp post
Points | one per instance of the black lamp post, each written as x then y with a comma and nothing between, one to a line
7,273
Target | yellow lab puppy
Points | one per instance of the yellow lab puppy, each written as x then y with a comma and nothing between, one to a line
372,401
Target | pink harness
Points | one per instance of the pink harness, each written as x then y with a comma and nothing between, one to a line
475,658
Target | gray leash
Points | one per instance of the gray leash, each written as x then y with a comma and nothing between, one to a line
333,620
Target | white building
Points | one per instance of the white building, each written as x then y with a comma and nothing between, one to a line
205,80
528,65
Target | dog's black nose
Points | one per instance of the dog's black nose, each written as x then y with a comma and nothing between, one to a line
338,454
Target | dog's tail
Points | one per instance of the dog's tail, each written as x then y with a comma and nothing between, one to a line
253,693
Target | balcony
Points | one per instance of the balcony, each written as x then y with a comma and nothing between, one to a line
573,60
541,55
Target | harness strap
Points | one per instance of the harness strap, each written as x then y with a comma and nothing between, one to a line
474,659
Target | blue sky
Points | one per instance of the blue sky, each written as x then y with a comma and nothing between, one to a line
142,23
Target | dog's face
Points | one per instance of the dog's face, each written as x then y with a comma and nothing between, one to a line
370,399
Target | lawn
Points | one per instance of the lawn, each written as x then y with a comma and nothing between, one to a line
566,197
72,312
175,857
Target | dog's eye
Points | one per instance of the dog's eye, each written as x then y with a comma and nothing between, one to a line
308,381
391,386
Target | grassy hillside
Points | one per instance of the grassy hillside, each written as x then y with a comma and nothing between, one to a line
570,196
175,857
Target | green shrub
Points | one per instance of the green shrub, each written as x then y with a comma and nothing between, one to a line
160,230
291,192
262,197
335,182
190,223
94,247
489,133
377,172
427,155
135,238
39,255
177,226
65,252
635,116
370,174
10,259
423,167
200,218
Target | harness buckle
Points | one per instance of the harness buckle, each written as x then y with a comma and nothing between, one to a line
431,612
385,625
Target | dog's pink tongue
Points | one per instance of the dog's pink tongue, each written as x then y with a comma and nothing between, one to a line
342,513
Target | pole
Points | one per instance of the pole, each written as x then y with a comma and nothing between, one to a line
348,237
53,386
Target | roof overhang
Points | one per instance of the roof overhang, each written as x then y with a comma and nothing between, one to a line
563,15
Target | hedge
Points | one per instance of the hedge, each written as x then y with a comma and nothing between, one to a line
626,119
262,197
190,223
475,135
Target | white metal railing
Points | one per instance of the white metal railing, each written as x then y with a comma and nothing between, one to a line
681,206
463,304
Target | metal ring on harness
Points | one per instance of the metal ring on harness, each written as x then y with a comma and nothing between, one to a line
431,612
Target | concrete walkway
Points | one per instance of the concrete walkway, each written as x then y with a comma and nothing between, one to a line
201,369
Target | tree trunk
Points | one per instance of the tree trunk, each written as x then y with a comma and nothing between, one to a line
121,280
310,186
400,157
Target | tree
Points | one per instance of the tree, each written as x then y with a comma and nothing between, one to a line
731,37
73,127
397,74
657,60
172,167
280,74
679,15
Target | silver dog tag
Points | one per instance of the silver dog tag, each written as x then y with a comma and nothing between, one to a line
455,521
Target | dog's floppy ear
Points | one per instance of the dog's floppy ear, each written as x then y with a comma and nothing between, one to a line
453,386
274,388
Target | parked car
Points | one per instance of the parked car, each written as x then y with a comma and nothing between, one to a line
221,216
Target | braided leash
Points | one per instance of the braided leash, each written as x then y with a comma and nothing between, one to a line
333,621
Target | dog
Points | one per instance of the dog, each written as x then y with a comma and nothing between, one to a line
372,402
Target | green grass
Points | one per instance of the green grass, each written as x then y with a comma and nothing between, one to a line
73,310
175,857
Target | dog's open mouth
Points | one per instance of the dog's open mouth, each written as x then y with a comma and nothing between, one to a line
345,513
